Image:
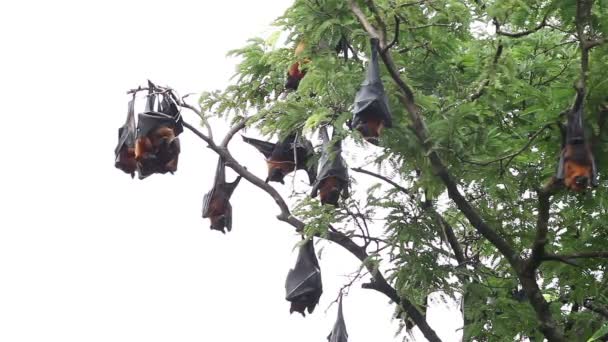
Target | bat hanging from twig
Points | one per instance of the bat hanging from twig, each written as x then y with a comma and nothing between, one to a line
303,286
216,203
281,158
576,167
371,111
338,332
332,179
157,146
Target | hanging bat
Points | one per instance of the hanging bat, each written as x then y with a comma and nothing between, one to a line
332,179
371,112
157,146
576,164
125,150
294,73
303,285
339,333
281,159
216,203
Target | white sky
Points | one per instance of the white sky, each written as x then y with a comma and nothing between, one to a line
86,253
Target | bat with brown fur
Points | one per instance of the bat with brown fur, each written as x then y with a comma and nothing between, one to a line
576,167
216,203
371,112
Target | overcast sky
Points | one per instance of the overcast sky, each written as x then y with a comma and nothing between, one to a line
87,253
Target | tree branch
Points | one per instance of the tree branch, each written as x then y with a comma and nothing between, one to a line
542,24
380,283
596,308
581,255
542,224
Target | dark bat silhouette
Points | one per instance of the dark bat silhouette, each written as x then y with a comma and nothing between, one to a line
332,179
281,159
371,112
216,203
339,333
576,164
303,285
157,146
125,150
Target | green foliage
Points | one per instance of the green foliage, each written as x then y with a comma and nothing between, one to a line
501,145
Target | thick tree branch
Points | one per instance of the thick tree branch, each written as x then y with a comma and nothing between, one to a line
542,224
379,282
582,255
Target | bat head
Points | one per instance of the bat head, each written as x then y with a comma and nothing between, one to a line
330,191
370,126
577,176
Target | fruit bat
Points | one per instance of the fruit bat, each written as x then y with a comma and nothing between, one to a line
303,285
125,150
280,157
338,333
332,179
371,112
216,203
294,73
576,163
157,146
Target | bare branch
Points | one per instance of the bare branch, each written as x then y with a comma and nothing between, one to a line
542,24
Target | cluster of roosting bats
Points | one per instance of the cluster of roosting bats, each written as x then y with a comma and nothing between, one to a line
152,146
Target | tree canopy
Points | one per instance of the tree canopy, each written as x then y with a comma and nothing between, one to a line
467,201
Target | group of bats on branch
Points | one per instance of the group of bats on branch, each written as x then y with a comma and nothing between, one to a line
151,145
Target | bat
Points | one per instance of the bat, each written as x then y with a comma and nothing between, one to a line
216,203
576,166
339,333
125,150
303,285
281,158
157,146
294,73
332,179
371,112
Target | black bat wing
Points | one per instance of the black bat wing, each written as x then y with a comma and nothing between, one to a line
306,161
264,147
126,133
303,286
331,164
169,107
371,97
339,333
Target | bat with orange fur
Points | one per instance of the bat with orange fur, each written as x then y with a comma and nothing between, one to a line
295,74
125,150
290,154
576,164
371,111
216,203
332,179
157,146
